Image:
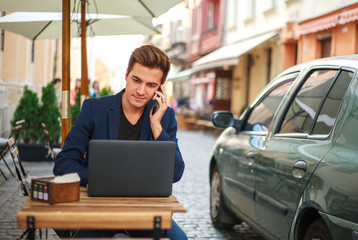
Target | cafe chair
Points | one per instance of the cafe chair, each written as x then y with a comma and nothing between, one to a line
51,150
2,173
20,171
3,148
3,151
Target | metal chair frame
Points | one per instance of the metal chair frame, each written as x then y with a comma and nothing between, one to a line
4,150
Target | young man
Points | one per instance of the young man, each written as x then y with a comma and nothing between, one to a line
126,116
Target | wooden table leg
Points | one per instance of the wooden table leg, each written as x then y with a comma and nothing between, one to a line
31,228
157,227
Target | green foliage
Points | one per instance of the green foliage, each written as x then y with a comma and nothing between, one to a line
75,109
106,91
29,110
33,114
50,113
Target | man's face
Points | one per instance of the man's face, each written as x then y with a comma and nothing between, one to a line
142,82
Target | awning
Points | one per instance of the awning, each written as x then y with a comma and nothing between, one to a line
181,76
229,55
325,23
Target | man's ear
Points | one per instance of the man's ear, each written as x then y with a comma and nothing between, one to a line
126,74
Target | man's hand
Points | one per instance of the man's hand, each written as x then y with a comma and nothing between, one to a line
155,118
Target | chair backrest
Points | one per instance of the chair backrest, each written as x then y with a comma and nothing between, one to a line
10,143
16,128
14,151
48,140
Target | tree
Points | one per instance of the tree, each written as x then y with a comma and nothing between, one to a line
50,113
29,110
106,91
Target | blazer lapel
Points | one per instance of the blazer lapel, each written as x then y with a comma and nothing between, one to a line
114,116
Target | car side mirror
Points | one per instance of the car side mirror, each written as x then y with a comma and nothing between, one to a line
222,119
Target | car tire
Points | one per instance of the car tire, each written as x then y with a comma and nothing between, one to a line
221,216
318,230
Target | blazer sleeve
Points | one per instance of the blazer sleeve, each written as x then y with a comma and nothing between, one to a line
72,157
169,132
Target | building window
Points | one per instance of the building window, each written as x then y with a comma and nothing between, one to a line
326,47
179,31
325,42
232,10
250,10
172,32
2,35
268,5
210,15
223,89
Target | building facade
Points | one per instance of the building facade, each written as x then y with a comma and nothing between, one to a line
327,34
24,62
259,39
209,87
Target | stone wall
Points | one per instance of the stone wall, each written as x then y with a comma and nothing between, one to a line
4,111
10,94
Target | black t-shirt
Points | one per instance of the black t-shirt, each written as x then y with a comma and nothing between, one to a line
127,131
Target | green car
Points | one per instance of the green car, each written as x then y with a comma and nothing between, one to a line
289,165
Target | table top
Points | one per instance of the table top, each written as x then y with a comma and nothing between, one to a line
101,212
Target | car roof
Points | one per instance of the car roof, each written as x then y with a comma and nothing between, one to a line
345,60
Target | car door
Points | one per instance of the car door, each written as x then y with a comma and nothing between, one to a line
288,157
239,178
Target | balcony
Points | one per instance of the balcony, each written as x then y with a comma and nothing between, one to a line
210,40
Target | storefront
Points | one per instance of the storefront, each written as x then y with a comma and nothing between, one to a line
332,34
228,77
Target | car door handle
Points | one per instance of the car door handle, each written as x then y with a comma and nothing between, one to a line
299,169
250,158
251,155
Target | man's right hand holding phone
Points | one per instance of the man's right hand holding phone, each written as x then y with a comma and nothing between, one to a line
158,111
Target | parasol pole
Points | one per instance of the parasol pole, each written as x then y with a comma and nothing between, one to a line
66,31
84,75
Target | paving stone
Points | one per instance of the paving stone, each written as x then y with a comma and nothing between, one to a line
192,191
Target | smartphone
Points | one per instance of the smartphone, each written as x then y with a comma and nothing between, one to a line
156,105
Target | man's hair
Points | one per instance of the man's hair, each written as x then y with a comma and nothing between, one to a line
152,57
56,80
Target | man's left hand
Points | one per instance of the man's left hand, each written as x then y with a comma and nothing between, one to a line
155,118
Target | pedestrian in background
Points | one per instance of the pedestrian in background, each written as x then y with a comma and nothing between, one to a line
94,90
58,87
75,91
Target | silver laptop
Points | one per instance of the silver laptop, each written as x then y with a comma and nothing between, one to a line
120,168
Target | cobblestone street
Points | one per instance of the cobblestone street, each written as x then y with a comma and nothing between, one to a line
192,191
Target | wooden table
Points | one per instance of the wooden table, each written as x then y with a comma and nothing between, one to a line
101,213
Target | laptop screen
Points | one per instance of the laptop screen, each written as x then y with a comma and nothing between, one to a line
119,168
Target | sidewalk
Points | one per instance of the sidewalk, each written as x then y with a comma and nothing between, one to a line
192,191
11,198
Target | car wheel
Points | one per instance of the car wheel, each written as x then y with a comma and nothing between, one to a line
318,230
221,216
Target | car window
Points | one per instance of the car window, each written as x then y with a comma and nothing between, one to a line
262,113
328,113
300,116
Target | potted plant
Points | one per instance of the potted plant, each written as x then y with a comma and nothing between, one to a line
50,114
31,139
29,110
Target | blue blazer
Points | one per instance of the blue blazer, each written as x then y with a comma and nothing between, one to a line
99,119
